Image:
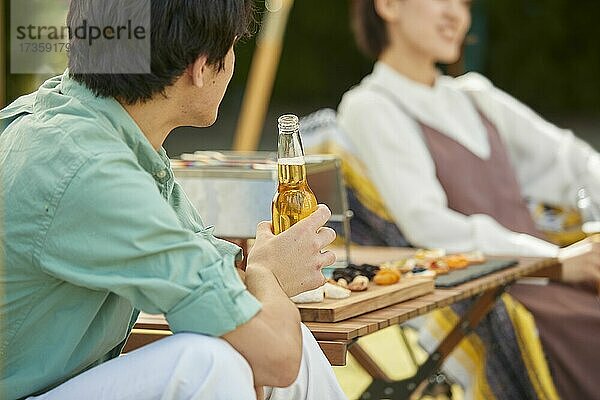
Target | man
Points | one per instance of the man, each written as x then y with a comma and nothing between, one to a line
96,228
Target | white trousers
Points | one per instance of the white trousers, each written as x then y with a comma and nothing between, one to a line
191,366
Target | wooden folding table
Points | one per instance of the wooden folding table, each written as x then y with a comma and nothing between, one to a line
336,338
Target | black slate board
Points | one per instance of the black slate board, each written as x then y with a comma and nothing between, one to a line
459,276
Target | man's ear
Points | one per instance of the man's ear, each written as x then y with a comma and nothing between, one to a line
198,71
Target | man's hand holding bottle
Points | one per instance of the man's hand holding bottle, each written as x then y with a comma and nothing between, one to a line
296,255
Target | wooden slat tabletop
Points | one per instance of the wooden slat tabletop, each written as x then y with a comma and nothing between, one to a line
335,336
353,328
370,322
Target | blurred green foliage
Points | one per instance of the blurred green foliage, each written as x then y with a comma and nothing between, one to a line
546,52
49,13
319,61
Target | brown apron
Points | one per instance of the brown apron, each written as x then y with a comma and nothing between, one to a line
567,317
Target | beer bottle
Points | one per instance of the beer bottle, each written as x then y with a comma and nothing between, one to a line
293,200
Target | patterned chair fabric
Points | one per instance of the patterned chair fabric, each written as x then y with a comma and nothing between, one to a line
371,224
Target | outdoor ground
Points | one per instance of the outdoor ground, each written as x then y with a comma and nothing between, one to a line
389,351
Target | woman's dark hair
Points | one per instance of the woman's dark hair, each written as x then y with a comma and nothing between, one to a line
180,32
368,27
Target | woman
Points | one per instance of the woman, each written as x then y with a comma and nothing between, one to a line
452,161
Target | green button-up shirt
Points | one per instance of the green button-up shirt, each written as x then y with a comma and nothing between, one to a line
94,227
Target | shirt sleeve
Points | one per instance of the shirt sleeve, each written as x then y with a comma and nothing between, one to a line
551,163
190,219
389,143
113,231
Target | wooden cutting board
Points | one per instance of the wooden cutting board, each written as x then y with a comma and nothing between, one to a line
374,298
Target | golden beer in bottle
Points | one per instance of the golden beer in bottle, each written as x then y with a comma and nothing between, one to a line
293,200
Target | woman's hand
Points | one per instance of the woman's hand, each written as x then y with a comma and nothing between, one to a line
581,261
294,256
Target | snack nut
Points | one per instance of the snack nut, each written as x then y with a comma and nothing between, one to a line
386,277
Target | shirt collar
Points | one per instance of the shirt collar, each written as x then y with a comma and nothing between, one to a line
110,110
436,106
414,96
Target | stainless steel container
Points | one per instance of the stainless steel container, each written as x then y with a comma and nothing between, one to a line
234,191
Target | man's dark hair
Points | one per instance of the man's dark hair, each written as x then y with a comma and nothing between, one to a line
180,31
368,27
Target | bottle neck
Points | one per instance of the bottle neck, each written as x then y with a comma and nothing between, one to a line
290,161
290,148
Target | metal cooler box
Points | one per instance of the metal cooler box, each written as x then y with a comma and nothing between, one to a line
233,191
